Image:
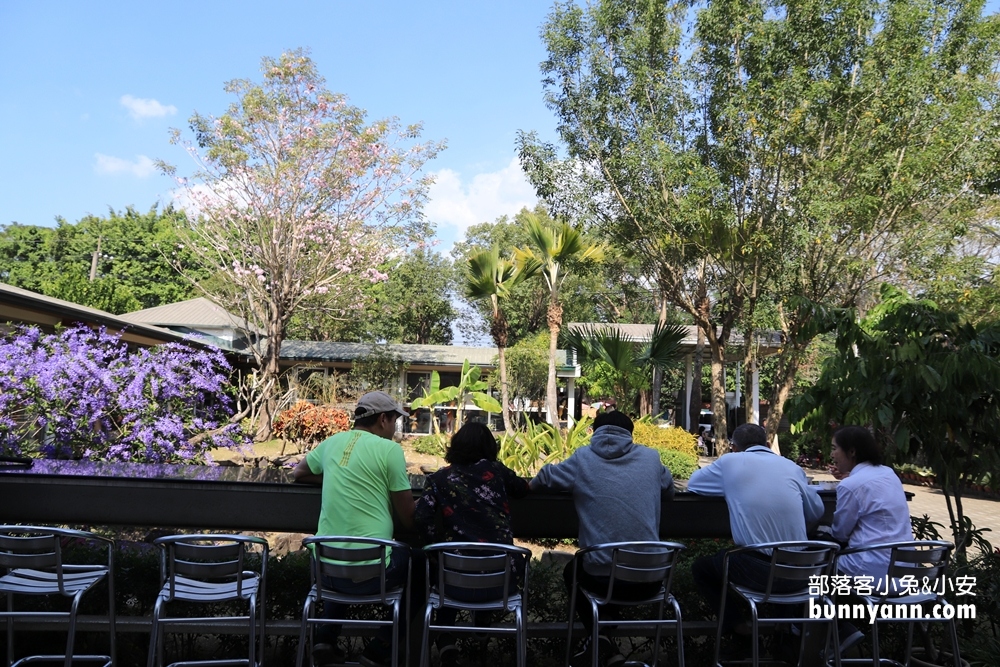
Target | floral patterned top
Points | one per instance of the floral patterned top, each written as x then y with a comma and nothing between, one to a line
473,503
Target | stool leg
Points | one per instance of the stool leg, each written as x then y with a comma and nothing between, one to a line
71,633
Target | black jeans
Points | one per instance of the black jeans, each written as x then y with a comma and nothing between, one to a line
624,590
750,569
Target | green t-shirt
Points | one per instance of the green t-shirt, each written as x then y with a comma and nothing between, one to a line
359,471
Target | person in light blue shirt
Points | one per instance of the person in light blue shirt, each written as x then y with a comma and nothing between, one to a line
769,500
871,503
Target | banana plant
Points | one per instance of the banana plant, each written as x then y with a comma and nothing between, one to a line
469,388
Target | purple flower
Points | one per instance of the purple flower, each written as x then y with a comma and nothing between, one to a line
82,393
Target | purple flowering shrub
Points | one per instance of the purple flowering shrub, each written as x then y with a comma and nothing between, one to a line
81,393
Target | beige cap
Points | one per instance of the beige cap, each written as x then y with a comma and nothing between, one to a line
377,402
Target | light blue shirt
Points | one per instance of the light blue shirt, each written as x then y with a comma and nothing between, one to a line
871,509
768,496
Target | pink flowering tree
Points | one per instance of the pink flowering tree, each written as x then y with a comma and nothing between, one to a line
297,199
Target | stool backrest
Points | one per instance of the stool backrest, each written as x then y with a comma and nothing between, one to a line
644,562
464,567
354,558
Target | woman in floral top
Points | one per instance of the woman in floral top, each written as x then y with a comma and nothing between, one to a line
467,501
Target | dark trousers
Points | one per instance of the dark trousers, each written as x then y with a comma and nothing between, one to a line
624,590
395,576
750,569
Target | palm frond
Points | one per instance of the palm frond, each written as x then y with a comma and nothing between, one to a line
665,345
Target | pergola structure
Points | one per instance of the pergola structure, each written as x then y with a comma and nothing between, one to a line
767,343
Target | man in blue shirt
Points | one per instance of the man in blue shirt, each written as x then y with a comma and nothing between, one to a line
769,500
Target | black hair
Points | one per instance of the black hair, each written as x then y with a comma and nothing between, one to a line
748,435
859,440
613,418
473,442
369,421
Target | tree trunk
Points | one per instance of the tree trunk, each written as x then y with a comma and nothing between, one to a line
646,403
719,427
654,393
696,364
268,384
658,372
788,368
508,426
551,393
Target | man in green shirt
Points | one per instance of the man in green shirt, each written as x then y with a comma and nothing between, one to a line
363,475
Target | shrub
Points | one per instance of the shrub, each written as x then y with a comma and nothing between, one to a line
306,424
673,438
434,445
542,443
681,465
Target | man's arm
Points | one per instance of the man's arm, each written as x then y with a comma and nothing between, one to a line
402,502
812,504
666,484
304,474
707,481
556,476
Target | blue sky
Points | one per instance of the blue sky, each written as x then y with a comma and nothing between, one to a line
89,90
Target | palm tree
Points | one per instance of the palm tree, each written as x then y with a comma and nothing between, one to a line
622,355
552,245
490,276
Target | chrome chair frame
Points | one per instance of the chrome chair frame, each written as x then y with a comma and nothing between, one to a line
353,563
31,560
927,561
632,562
471,566
210,568
789,561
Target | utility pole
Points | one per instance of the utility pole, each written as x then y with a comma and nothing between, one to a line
93,261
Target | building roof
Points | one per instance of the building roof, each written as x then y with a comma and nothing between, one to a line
768,342
425,355
192,313
27,307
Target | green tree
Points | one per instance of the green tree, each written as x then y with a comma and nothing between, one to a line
490,277
612,291
620,363
469,388
527,372
409,303
299,198
927,381
553,248
413,304
122,262
796,150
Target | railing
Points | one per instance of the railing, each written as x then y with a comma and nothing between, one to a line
236,499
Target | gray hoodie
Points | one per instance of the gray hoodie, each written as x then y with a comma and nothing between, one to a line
617,486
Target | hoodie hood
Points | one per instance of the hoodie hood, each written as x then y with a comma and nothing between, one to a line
611,442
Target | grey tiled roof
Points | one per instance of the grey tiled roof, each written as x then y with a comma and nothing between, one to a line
305,350
192,313
769,341
430,355
74,312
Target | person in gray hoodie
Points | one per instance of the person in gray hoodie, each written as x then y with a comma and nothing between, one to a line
617,488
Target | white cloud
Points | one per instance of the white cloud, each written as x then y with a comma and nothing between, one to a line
457,206
146,108
142,167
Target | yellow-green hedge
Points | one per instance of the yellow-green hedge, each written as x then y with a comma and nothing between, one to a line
677,439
